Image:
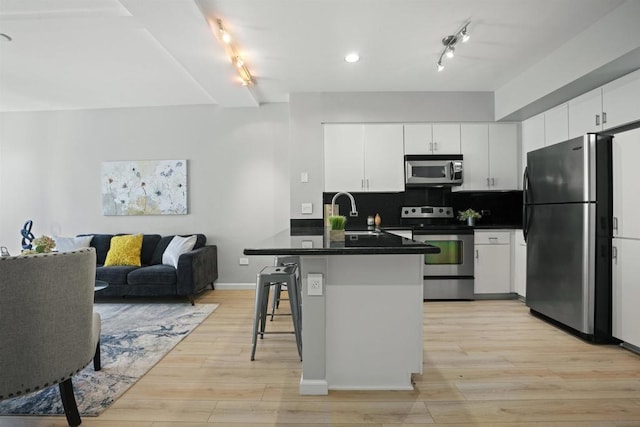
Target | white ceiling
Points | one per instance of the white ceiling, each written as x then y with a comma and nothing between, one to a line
78,54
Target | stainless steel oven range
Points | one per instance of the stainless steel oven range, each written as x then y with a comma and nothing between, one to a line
449,274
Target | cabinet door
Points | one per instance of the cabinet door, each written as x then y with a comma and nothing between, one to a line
556,125
532,138
626,291
585,113
503,156
520,265
626,203
343,157
620,101
418,139
492,269
383,157
474,141
446,138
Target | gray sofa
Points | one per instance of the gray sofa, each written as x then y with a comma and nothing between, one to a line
196,270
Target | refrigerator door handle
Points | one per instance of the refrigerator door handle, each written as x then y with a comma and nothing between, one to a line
615,225
525,199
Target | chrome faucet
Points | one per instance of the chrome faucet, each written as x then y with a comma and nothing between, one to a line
354,211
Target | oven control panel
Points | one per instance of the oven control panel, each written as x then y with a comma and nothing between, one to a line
426,212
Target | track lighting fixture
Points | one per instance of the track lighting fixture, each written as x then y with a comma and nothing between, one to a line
236,59
449,43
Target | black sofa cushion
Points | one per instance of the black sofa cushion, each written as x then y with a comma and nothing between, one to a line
115,274
149,244
201,240
158,274
102,243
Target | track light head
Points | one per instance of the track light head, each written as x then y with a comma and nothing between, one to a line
450,51
465,34
450,42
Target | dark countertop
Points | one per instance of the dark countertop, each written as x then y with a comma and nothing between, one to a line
290,243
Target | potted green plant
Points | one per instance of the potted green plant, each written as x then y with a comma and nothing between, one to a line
469,215
336,227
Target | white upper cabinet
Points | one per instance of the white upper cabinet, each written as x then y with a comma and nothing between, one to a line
363,157
432,138
626,202
620,103
446,138
490,156
612,105
532,137
383,158
343,157
503,155
475,150
585,113
556,125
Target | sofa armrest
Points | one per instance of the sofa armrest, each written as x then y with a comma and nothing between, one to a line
197,269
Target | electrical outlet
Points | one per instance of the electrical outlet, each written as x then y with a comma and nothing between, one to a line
314,284
244,261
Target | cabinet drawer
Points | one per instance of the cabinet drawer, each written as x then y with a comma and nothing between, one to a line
492,238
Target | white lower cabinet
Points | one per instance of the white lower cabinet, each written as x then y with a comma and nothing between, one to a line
492,262
519,264
626,291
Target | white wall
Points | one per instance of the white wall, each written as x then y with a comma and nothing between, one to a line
238,180
310,110
583,58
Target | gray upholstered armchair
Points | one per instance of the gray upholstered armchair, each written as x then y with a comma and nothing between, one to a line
48,329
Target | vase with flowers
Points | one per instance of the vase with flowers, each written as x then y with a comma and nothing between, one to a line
470,216
42,244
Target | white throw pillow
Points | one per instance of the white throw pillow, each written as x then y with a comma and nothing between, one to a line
67,244
177,247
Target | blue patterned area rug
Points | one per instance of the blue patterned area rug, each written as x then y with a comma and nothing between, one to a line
134,338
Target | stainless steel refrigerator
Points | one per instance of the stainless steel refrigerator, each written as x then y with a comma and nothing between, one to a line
567,226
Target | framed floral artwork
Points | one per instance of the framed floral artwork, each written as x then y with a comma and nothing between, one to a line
144,187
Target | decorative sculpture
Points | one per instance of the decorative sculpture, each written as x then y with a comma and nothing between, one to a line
27,235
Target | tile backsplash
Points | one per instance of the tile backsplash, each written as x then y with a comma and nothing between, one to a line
500,208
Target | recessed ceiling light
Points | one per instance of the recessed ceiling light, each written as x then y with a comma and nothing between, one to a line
352,57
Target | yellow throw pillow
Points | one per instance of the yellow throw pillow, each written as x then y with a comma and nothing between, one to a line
124,250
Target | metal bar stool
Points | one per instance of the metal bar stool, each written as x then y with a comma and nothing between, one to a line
268,277
275,301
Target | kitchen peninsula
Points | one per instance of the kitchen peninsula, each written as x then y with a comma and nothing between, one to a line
364,331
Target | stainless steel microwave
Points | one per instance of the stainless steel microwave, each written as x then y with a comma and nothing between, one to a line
440,170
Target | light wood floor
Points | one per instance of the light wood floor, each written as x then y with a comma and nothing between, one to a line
486,363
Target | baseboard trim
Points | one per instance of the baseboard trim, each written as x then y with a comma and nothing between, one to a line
313,387
234,286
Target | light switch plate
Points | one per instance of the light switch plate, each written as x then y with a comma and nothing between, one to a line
306,208
314,284
304,177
